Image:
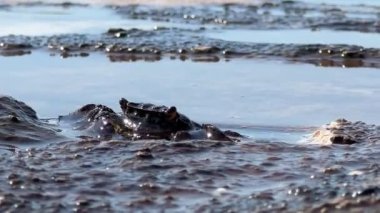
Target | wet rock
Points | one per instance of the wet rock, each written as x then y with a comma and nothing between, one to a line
98,121
64,48
141,203
205,49
182,51
122,33
15,49
332,170
82,202
144,154
166,41
112,31
15,46
326,51
234,53
342,139
19,123
352,54
367,192
352,205
100,45
343,131
269,15
148,45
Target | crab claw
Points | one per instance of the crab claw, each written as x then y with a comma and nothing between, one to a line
123,104
171,113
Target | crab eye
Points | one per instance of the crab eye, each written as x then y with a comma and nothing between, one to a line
171,113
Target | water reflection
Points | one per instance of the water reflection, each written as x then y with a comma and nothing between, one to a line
133,57
322,62
345,63
8,53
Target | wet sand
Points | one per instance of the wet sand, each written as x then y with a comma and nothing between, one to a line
190,176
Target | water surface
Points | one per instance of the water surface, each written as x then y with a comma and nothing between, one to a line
349,2
299,36
53,20
231,92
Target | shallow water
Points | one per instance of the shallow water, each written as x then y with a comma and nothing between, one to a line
176,2
348,2
304,36
55,20
304,95
52,20
275,102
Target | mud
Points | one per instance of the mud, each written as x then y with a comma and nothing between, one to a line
132,44
156,44
121,176
19,123
267,15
